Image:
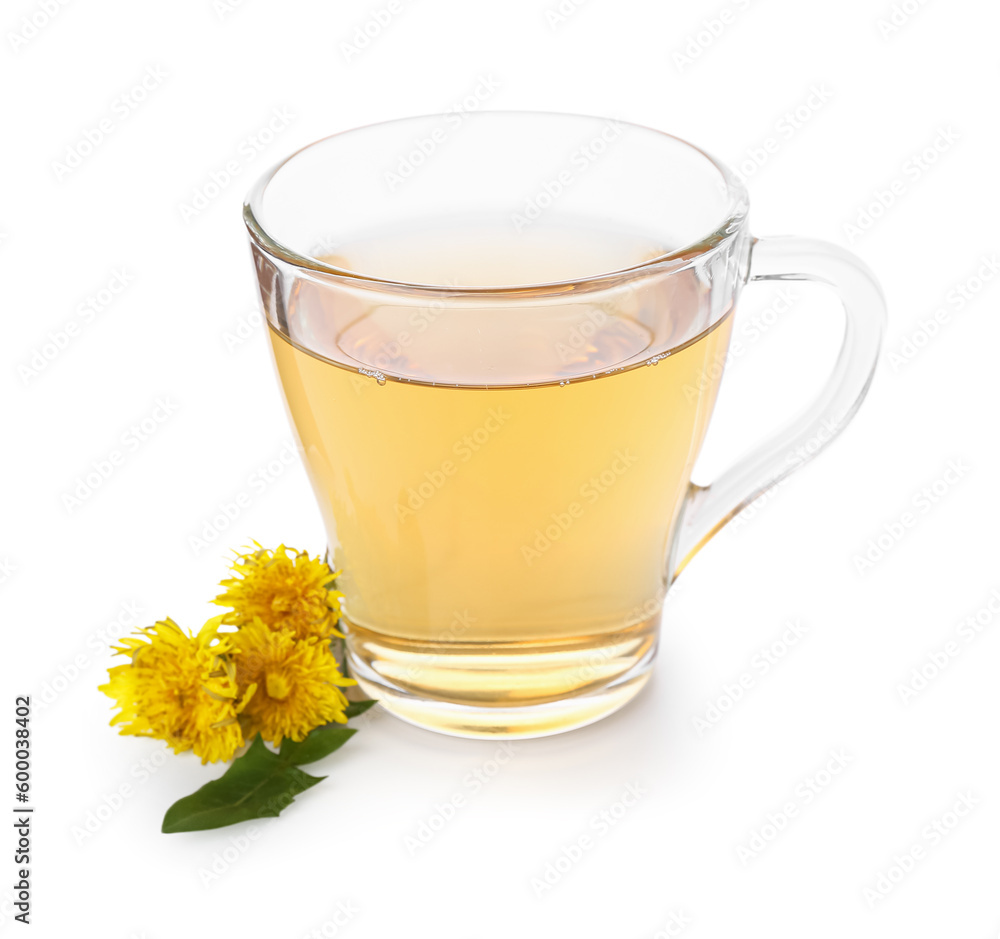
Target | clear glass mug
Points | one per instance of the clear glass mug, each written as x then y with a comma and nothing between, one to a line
500,339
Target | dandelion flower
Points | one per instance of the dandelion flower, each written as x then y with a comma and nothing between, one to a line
297,682
180,688
286,589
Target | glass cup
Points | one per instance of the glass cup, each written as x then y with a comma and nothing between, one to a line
500,338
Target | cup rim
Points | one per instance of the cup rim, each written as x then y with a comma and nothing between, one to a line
678,259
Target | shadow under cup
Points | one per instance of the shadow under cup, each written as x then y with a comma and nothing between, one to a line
500,339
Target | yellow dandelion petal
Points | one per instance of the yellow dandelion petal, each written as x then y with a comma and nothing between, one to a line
286,589
296,682
248,693
178,688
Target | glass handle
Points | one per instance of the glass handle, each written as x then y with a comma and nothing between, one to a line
708,508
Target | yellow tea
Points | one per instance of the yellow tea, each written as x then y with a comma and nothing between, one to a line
502,502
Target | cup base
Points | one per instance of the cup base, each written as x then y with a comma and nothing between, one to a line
503,721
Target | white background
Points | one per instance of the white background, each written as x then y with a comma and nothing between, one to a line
71,575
